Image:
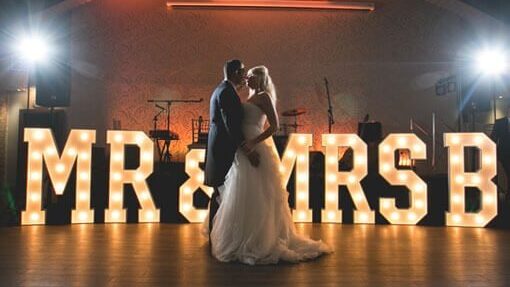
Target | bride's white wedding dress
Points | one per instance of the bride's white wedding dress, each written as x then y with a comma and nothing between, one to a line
253,224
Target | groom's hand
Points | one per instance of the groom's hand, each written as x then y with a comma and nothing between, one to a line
254,158
247,146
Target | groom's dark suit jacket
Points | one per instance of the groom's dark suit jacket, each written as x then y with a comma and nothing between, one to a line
225,135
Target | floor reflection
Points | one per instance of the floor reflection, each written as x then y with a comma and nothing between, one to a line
178,254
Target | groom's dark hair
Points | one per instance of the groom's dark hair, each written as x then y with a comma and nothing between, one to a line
230,67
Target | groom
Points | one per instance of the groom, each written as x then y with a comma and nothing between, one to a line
225,134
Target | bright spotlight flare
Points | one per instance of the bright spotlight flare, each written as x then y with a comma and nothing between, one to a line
491,62
33,49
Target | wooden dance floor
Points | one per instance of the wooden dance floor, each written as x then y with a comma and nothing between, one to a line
177,255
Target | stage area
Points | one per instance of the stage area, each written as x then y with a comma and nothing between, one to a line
177,255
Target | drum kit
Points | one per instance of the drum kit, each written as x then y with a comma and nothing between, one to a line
286,128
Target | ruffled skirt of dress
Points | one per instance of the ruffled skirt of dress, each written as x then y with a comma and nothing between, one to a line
253,224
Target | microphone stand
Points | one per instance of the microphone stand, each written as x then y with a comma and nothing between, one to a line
169,103
331,120
164,152
155,119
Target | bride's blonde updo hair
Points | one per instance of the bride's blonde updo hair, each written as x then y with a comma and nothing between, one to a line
265,83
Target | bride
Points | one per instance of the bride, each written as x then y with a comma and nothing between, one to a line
253,224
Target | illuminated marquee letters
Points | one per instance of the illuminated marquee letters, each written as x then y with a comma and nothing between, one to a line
417,187
195,181
42,150
296,152
119,176
458,179
351,179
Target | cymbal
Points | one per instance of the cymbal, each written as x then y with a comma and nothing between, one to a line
294,112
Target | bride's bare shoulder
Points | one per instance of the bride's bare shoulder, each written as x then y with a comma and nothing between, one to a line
263,97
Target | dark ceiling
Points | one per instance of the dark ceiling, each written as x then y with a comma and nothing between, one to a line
14,8
498,8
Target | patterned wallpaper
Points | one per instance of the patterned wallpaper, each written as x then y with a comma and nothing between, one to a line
384,63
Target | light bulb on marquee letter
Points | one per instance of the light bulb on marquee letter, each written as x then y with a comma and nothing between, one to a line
119,176
41,147
408,178
297,148
458,179
196,181
351,179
